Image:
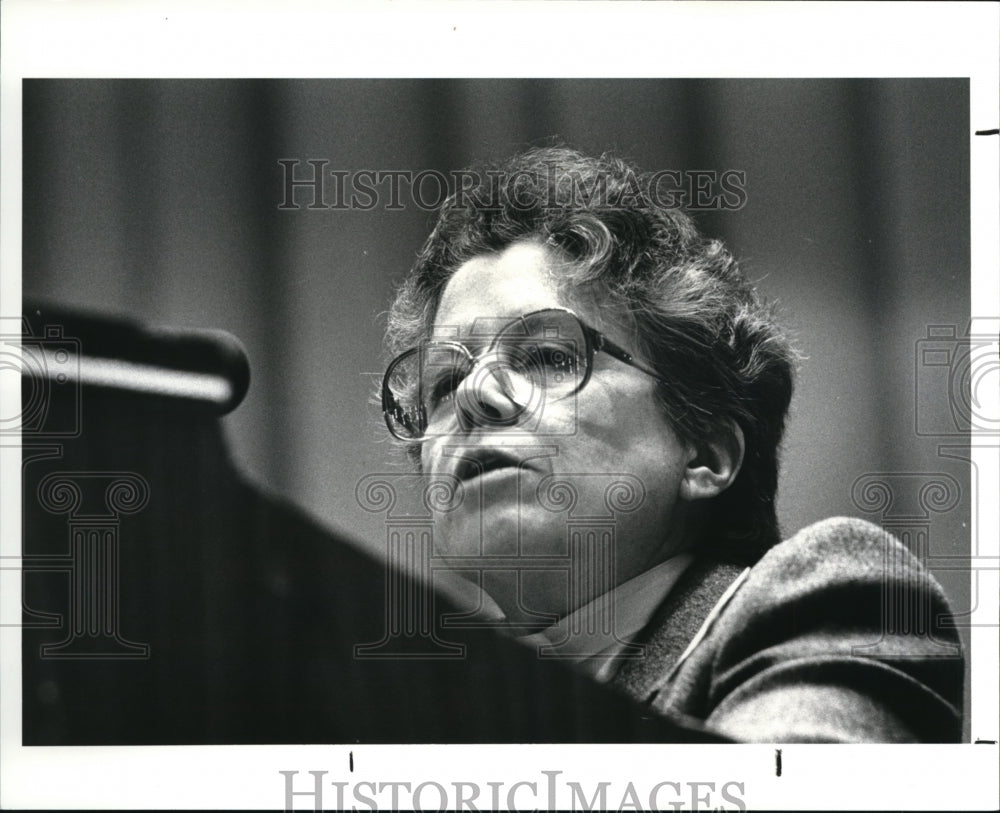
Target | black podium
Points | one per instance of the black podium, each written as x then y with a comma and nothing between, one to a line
168,601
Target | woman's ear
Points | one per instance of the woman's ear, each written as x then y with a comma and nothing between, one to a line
714,464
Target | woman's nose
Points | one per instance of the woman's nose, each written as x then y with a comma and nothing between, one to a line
488,397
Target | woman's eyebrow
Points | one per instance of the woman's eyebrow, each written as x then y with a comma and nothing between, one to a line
484,328
479,331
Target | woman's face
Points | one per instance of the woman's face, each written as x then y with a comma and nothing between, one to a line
593,480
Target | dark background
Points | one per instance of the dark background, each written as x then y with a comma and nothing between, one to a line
160,200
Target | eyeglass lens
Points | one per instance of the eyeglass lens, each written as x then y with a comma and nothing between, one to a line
537,356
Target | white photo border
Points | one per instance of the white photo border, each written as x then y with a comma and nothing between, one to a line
268,39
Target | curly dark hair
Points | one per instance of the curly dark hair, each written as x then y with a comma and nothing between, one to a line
696,318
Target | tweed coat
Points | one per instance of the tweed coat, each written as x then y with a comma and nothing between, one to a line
835,635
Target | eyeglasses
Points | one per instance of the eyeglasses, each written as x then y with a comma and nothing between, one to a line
544,355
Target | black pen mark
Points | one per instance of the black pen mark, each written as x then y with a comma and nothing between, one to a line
352,761
777,762
994,131
986,742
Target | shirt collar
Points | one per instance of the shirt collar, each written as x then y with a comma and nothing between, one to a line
595,637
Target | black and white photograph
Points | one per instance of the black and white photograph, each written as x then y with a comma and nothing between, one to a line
454,433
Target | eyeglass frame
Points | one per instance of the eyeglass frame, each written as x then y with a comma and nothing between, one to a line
595,342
